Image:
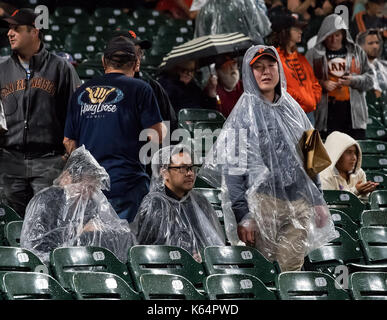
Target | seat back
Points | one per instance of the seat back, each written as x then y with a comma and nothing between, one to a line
378,200
374,243
101,286
342,220
342,250
12,232
239,260
374,162
7,214
211,194
32,286
19,259
379,177
374,218
237,287
344,201
368,285
65,261
168,286
162,259
372,147
309,285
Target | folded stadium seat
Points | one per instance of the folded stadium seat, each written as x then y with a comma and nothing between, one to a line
5,51
79,48
65,261
7,214
374,218
64,21
343,221
12,231
101,286
212,195
375,129
32,286
202,182
187,117
345,201
374,162
309,285
70,12
373,147
108,12
368,285
340,251
86,72
378,176
374,244
20,260
378,200
58,33
163,259
238,287
168,287
240,260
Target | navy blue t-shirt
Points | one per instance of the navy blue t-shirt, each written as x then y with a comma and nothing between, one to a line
107,114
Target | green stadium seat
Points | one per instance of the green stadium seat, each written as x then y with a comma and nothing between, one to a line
101,286
32,286
169,287
211,194
374,112
65,261
7,214
378,176
374,243
340,251
378,200
373,122
374,218
376,133
374,162
87,72
237,287
70,11
309,285
5,51
368,285
373,147
239,260
12,232
202,182
21,260
63,20
200,115
346,202
163,259
342,220
107,12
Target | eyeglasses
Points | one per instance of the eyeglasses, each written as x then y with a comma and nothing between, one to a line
186,169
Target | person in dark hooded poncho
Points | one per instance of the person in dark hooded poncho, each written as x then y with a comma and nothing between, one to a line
172,213
75,212
268,200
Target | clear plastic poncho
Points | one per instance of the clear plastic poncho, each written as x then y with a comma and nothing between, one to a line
228,16
75,212
190,223
258,164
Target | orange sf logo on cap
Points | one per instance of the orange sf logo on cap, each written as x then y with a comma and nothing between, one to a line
133,34
14,13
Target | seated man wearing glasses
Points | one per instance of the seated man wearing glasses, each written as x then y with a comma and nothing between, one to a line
172,213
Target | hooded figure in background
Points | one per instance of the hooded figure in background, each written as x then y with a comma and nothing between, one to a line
172,213
268,200
345,172
75,212
344,73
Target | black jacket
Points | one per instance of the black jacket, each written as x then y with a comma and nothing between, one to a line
35,109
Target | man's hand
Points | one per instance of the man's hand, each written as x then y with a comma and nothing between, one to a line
70,146
321,216
329,85
366,187
212,83
345,80
247,230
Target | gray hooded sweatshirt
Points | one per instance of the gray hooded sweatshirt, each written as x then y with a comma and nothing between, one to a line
360,82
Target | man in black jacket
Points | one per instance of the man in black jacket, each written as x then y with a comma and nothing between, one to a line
35,89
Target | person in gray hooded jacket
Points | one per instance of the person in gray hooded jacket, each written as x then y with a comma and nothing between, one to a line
344,73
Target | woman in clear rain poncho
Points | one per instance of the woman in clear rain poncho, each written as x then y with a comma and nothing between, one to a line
268,199
172,213
75,212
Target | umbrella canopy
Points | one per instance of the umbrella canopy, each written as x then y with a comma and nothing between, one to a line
205,49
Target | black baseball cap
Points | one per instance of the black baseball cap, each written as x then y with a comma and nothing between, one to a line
263,52
144,44
120,49
286,21
23,16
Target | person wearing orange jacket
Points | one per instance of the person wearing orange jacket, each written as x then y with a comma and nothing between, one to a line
302,84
